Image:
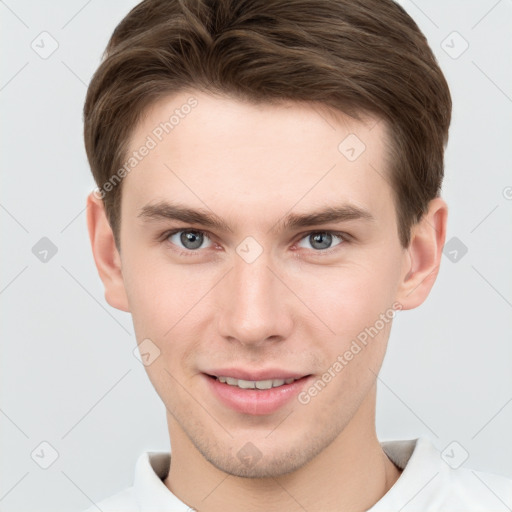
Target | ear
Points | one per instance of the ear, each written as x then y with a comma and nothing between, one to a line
423,255
106,255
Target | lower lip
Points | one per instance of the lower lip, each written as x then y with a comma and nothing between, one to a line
255,401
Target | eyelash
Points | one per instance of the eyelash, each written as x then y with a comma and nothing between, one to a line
345,237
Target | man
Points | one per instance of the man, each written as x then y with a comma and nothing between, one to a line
269,179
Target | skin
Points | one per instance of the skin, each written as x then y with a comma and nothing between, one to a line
292,308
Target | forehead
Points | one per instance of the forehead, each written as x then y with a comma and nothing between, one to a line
256,158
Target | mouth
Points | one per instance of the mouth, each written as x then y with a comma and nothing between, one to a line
256,395
254,384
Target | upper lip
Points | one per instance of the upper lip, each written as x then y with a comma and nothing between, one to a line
267,374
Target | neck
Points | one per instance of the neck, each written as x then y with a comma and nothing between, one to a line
351,474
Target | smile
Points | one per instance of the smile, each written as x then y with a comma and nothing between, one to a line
254,384
257,396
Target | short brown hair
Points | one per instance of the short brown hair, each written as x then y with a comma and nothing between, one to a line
364,56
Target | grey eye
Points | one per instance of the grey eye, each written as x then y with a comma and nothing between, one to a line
321,240
188,239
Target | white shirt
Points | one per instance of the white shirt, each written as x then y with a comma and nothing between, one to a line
427,484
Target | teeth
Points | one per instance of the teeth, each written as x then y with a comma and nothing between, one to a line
255,384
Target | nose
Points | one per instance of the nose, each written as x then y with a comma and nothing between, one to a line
256,307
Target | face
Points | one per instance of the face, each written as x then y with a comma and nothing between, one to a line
232,274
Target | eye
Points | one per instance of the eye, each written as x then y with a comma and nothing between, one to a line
322,240
189,239
189,242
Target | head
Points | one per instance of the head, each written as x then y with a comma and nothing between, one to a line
299,147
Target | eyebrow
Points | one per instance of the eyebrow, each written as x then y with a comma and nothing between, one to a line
164,210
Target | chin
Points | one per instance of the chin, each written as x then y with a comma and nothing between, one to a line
266,461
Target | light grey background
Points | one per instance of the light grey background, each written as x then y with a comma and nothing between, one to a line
68,374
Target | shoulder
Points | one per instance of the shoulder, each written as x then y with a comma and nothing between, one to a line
148,490
477,490
122,501
439,482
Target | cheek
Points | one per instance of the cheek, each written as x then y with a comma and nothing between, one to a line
159,293
357,306
347,298
162,300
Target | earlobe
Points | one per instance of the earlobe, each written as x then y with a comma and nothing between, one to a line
106,255
423,255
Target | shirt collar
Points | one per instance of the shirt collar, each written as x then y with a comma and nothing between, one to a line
151,493
424,478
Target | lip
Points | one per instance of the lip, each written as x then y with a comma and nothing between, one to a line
255,402
267,374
